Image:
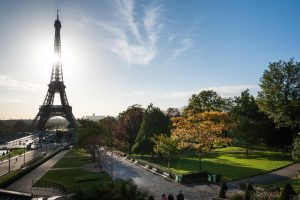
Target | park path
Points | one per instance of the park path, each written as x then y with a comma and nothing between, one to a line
156,185
268,178
24,184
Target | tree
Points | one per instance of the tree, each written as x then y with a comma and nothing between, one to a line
154,122
288,192
223,190
129,124
247,120
296,149
280,94
165,145
200,130
208,100
19,126
90,135
172,112
109,125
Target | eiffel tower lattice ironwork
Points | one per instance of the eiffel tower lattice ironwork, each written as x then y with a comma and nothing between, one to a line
48,110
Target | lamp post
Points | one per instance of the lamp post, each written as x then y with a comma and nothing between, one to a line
8,160
24,153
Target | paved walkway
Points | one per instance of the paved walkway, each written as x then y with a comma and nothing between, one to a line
272,177
157,185
24,184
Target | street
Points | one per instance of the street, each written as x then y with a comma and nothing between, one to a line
17,161
157,185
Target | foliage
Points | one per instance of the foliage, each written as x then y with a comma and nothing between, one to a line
154,122
280,93
201,130
249,123
91,134
116,190
172,112
223,190
235,194
296,150
109,125
248,192
165,145
129,124
208,100
287,193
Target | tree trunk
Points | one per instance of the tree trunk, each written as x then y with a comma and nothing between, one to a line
199,159
169,162
129,149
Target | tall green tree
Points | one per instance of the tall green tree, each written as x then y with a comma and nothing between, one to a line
208,100
129,124
280,93
154,122
247,120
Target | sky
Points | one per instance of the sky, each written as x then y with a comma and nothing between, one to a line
116,53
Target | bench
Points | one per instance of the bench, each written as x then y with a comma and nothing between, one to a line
165,174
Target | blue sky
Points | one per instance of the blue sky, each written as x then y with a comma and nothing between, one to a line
116,53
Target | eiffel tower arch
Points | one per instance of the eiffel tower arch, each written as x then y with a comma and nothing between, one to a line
56,85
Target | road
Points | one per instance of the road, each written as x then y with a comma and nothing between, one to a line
17,161
157,185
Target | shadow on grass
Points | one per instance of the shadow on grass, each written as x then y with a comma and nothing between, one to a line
232,166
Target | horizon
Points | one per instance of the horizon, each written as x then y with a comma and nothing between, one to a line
124,52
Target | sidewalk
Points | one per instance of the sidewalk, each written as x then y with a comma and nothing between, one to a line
24,184
269,178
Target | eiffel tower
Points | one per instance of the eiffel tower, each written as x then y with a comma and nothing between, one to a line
56,85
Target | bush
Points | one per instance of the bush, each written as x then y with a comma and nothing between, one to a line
288,192
235,194
296,150
223,190
248,192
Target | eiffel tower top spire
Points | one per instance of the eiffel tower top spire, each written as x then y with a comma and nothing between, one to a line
57,74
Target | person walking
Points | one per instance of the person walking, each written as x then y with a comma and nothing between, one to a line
163,197
180,196
170,197
150,197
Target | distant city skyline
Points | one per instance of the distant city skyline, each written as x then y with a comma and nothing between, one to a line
116,53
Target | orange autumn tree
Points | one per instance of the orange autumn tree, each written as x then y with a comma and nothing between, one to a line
199,131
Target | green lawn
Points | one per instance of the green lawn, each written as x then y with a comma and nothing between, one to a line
74,158
231,162
76,179
71,178
294,183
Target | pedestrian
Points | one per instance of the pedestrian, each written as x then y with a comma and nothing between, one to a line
150,197
163,197
16,159
180,196
170,197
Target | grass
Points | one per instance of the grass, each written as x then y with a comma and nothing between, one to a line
75,179
71,178
74,158
231,162
295,183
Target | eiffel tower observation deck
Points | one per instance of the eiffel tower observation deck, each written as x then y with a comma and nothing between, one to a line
56,85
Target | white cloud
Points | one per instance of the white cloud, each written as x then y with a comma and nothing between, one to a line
7,83
134,36
185,44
